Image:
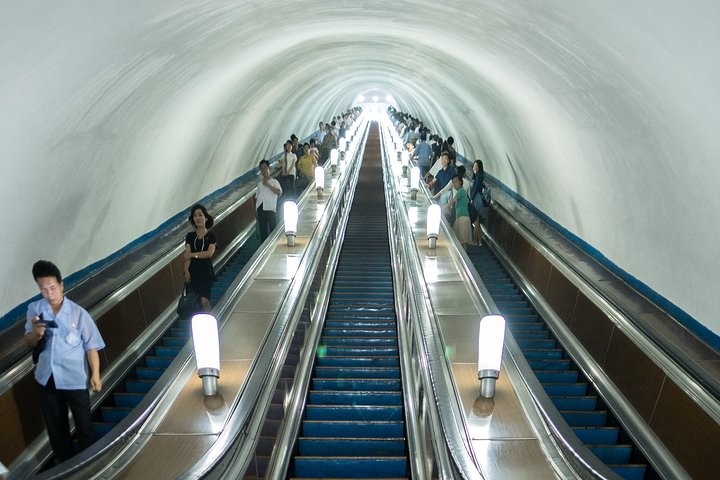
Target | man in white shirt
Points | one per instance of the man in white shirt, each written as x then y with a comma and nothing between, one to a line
268,192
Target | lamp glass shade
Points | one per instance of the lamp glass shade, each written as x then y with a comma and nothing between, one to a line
433,220
490,342
334,154
206,341
290,216
415,178
404,157
342,144
319,177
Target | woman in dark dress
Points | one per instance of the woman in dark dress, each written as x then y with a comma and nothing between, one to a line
476,199
199,249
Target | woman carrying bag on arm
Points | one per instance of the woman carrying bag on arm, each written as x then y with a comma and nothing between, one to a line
199,249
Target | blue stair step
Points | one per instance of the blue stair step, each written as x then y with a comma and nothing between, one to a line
590,418
597,435
163,351
612,454
630,471
575,403
572,389
129,400
543,353
527,327
351,467
138,386
146,373
537,344
375,429
354,412
356,447
357,384
550,364
174,341
345,361
358,341
114,414
569,376
158,362
531,335
360,332
352,351
102,428
356,372
354,398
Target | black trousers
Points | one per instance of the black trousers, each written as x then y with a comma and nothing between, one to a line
266,221
55,404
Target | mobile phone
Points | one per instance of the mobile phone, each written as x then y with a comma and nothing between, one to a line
46,324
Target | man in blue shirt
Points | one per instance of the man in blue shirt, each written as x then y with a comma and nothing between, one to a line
67,336
423,153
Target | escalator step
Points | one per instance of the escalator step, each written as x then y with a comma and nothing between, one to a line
330,397
114,414
362,447
612,454
590,418
373,429
146,373
569,376
357,384
350,467
355,412
138,386
358,361
598,435
129,400
356,372
587,402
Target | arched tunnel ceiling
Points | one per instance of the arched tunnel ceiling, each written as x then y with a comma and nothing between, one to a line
116,116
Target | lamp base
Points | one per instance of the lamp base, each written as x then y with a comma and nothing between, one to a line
209,377
487,382
413,194
320,193
432,243
290,240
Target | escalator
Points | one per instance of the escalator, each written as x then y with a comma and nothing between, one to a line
353,424
129,392
573,395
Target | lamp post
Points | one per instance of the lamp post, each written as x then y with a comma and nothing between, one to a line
433,224
319,181
290,216
414,182
404,160
490,347
207,351
334,154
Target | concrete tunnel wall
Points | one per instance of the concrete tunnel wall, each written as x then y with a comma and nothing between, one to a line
115,116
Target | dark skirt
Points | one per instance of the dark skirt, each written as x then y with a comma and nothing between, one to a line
202,276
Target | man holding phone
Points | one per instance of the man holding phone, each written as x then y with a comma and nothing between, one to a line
67,336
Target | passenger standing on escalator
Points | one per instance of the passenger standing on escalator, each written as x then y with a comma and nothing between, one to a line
67,341
268,192
199,250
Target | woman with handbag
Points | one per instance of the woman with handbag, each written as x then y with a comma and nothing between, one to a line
476,199
199,249
459,202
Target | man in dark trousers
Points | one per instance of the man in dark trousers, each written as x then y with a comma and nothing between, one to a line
70,341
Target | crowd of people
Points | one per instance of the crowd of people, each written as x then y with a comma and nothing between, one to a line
461,198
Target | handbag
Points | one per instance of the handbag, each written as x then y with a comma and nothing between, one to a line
188,303
485,195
